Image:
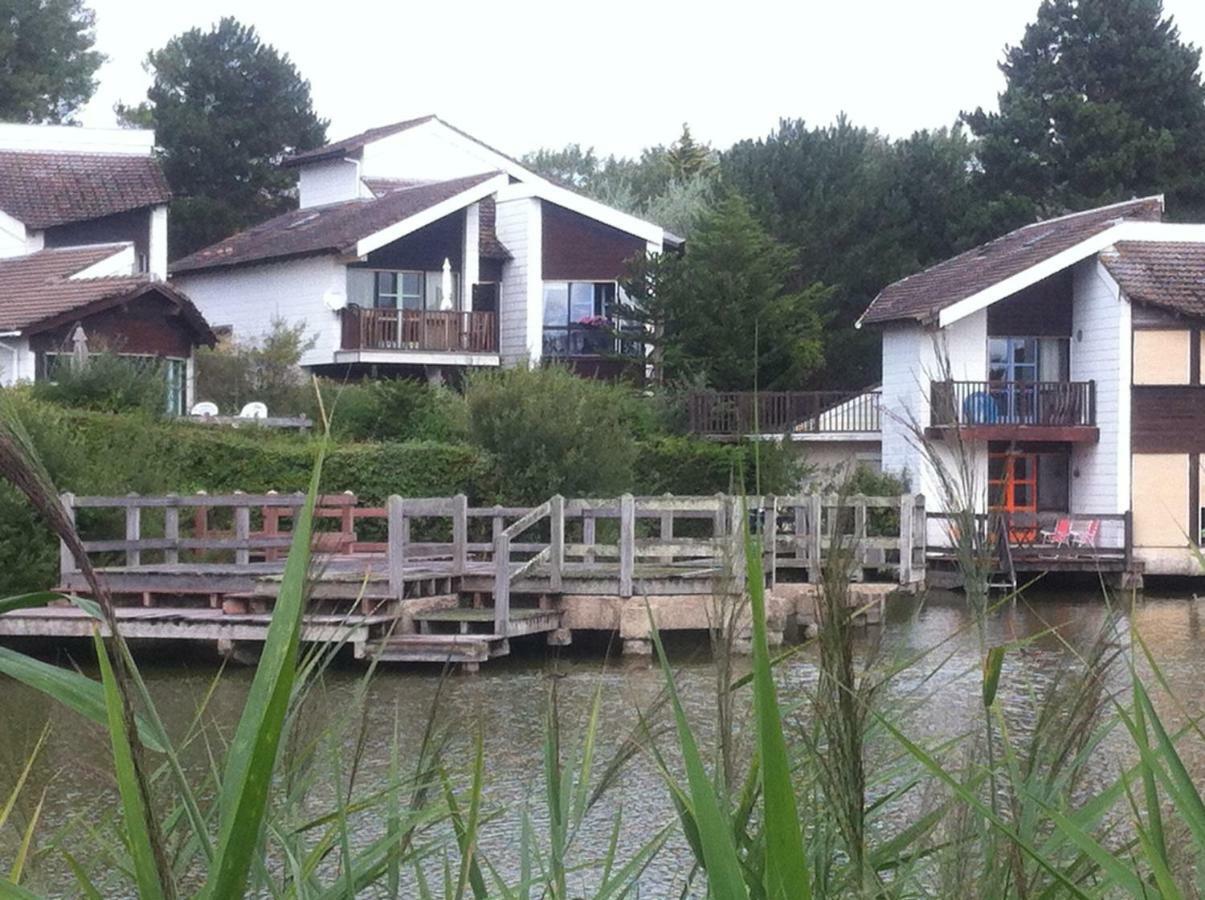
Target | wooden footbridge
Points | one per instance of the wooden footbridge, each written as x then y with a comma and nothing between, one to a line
438,580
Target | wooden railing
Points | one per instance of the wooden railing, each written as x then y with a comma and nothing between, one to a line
735,413
1036,536
453,331
555,541
1049,403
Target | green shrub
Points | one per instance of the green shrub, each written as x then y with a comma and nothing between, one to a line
264,369
107,382
393,410
686,465
550,432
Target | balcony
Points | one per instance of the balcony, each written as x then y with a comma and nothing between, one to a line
802,413
401,332
1016,410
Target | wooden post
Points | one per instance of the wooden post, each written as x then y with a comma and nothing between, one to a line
627,543
718,528
907,507
133,532
588,538
242,531
859,548
499,526
815,538
801,529
737,513
556,543
667,529
460,533
395,518
171,530
502,584
770,538
66,560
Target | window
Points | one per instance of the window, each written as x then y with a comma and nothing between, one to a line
578,318
381,289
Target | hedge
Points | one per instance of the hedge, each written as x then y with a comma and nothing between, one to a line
97,453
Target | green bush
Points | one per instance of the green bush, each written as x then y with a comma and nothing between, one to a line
107,382
264,369
395,410
685,465
548,432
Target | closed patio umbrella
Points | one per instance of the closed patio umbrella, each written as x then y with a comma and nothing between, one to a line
445,286
79,346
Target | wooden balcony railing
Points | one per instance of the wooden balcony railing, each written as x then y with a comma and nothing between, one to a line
451,331
1041,403
734,413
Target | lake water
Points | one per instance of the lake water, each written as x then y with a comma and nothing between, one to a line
507,701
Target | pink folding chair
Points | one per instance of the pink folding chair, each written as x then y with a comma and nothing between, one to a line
1088,535
1059,536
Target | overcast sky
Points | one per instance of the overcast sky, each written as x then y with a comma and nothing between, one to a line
619,75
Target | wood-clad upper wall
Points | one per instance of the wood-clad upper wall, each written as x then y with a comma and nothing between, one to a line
426,249
1168,419
148,325
578,248
1040,310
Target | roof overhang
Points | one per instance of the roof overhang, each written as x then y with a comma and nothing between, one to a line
431,214
1123,231
184,306
591,209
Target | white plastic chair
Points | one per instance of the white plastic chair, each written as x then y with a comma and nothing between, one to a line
204,408
254,410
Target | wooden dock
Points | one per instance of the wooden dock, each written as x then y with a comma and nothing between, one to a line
436,580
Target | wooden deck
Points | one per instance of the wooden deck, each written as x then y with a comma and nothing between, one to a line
209,567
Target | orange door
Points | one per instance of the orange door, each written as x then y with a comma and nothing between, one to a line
1013,489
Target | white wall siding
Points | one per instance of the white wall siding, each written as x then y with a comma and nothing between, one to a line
913,358
520,305
330,181
1101,352
249,299
157,257
472,252
425,152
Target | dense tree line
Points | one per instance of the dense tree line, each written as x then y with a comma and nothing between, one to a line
790,235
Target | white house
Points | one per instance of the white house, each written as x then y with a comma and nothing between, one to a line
417,248
83,254
1066,358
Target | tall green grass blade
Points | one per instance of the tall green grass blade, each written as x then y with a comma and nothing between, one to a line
724,873
18,868
7,809
253,752
470,871
10,891
136,814
1153,837
786,871
1188,801
28,601
992,664
70,688
87,888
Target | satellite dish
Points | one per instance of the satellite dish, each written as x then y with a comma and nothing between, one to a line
204,408
334,300
254,410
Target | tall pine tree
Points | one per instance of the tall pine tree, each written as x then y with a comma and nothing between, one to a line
47,64
226,108
1104,102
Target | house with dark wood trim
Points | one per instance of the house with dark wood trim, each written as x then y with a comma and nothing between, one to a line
417,249
83,256
1064,359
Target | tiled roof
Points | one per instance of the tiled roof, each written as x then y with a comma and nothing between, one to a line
353,143
1167,274
333,228
926,293
37,290
45,189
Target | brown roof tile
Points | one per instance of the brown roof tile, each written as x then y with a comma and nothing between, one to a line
926,293
333,228
353,143
1167,274
45,189
37,290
